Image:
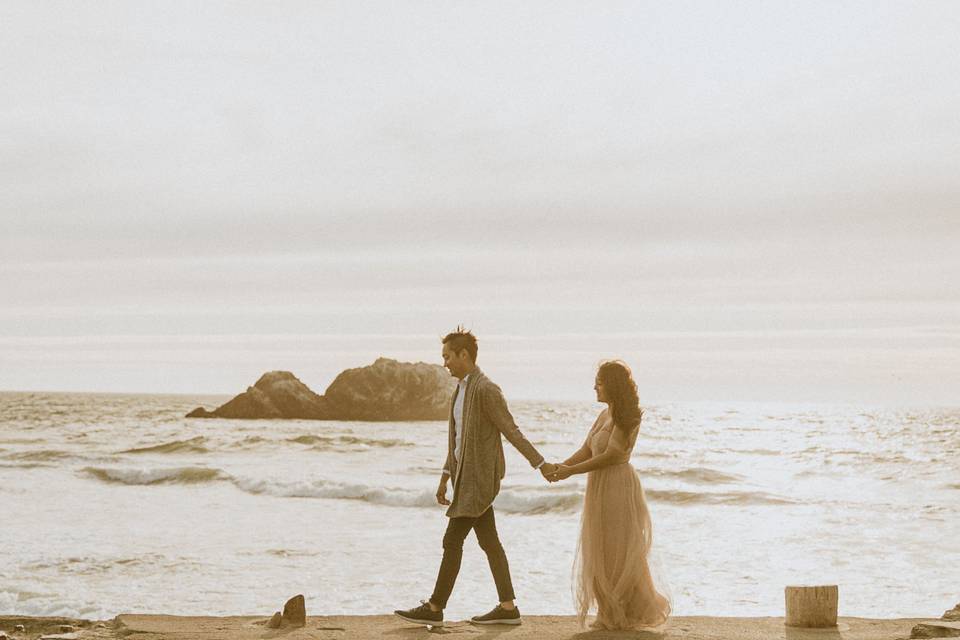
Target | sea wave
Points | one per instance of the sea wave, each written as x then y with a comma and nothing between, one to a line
193,445
655,454
43,455
139,477
290,553
695,475
509,500
521,500
28,465
725,498
329,489
535,503
543,442
325,442
81,565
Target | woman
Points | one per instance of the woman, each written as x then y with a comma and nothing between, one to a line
611,568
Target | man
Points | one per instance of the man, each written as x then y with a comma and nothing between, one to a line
475,463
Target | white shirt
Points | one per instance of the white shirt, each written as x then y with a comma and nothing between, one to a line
458,418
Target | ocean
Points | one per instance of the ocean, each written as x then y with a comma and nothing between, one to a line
118,503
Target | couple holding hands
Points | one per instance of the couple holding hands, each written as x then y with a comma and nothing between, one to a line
611,569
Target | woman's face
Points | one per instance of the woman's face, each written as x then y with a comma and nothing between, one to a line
599,388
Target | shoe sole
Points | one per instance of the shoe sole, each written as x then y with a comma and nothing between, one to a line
425,623
516,621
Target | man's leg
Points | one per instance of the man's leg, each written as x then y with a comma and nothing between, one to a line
486,528
457,530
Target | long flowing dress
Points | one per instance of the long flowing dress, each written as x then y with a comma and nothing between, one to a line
612,568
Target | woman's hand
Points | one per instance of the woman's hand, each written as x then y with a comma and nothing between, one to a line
562,472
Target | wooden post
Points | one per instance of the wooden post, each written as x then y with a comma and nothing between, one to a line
814,606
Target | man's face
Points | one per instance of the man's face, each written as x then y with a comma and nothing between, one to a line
456,363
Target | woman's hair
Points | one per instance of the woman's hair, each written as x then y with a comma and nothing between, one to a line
621,393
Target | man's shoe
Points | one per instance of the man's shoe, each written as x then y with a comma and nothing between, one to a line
499,615
422,615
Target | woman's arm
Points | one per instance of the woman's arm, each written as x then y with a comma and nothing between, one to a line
581,454
612,454
597,461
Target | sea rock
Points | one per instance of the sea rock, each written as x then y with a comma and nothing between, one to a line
67,628
935,630
19,628
391,390
277,394
385,390
952,614
276,621
295,611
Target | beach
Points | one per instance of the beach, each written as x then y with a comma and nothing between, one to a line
164,627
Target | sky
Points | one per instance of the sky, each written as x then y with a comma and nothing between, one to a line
744,200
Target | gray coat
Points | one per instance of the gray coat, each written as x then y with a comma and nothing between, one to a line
476,479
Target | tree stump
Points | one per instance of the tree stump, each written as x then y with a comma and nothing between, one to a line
814,606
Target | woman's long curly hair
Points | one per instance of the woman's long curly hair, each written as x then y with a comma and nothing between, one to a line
621,393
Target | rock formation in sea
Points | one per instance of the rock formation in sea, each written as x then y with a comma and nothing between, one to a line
277,394
385,390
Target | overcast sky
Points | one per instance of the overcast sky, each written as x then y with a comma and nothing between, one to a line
745,200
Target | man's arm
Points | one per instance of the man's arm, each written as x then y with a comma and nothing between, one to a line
495,407
442,488
448,463
445,474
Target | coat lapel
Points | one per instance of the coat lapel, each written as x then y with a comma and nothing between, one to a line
452,438
468,396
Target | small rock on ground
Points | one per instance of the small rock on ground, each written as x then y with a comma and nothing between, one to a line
276,621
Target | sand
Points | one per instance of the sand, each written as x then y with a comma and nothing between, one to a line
163,627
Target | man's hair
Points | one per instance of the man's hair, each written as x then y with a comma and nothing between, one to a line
462,339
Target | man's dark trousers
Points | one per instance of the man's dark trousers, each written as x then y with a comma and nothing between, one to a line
457,529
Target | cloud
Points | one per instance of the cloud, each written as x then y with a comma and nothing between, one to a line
247,168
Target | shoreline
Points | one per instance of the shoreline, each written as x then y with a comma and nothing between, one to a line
167,627
790,403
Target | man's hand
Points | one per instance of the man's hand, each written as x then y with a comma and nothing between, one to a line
442,490
547,469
